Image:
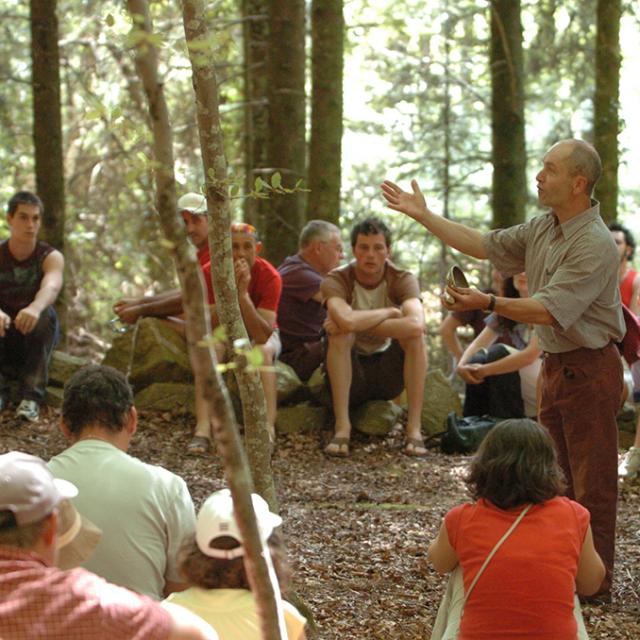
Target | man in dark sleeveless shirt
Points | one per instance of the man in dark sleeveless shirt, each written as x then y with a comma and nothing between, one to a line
30,281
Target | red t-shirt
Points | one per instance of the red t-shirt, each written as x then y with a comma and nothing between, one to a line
527,589
265,286
626,287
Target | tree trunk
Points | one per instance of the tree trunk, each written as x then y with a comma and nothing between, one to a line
507,114
286,145
606,105
257,558
325,150
256,114
47,118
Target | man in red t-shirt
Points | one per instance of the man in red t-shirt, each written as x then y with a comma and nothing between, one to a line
630,294
259,287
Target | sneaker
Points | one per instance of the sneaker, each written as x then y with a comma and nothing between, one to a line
630,465
28,410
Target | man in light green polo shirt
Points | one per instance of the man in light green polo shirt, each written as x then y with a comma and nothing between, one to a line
145,512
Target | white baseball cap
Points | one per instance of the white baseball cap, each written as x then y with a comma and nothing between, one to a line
216,519
193,203
28,489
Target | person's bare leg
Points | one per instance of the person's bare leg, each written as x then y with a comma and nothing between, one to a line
415,371
340,376
204,421
270,388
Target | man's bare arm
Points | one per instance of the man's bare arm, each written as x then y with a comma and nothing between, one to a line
348,320
53,269
409,325
162,305
456,235
526,310
634,304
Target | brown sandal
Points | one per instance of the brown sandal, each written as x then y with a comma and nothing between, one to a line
199,445
338,448
415,448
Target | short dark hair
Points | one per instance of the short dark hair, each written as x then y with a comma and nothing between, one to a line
23,197
96,394
370,227
216,573
516,464
630,241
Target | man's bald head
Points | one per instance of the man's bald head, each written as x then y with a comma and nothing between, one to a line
582,159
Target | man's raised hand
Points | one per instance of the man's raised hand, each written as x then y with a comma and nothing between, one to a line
5,323
413,204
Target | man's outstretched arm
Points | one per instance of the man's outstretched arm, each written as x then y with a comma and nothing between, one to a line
456,235
162,305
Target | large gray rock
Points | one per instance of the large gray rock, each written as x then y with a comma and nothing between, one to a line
301,418
62,366
439,399
290,387
376,418
53,396
166,396
155,353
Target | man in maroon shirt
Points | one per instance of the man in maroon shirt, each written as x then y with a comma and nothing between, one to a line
300,313
38,600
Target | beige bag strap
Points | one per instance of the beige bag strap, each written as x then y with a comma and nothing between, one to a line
516,522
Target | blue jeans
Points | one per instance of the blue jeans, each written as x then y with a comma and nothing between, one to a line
28,356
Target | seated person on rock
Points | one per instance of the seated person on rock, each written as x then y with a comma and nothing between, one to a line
630,294
144,510
212,562
375,328
301,313
259,287
502,379
31,274
474,319
38,599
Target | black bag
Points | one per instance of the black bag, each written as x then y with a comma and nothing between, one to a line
464,435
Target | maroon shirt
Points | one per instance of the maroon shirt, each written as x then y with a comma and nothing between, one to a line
299,316
20,279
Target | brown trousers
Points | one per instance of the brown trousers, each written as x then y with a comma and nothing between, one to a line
581,393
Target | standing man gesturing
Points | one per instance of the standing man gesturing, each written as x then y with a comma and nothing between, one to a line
572,266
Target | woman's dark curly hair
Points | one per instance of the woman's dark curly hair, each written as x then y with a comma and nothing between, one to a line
205,572
516,464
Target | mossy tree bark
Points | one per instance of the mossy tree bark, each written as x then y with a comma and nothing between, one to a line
286,147
507,115
47,118
325,148
202,355
255,31
606,125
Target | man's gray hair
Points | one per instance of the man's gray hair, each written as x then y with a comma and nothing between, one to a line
585,161
316,229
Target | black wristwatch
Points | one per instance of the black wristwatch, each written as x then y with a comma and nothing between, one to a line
492,303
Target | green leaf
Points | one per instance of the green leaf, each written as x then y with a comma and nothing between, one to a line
276,180
110,21
220,334
254,357
258,184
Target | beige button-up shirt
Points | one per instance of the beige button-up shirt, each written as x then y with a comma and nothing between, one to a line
572,269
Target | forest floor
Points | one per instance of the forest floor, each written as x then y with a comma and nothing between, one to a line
357,529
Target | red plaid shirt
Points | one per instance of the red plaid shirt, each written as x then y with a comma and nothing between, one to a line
39,601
